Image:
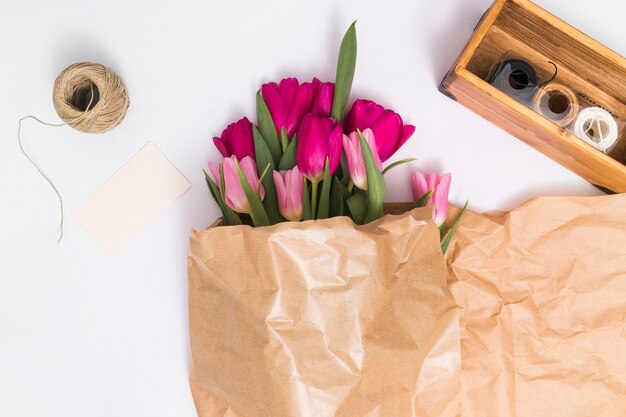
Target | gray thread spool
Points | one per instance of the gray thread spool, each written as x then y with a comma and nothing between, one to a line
516,78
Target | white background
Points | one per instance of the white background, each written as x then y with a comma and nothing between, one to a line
84,334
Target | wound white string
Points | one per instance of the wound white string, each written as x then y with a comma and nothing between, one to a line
597,127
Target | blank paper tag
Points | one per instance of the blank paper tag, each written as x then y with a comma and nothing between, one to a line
132,198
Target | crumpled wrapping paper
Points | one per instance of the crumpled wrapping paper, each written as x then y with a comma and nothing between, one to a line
323,319
542,297
329,319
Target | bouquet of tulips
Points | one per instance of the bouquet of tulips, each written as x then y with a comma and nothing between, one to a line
306,159
345,316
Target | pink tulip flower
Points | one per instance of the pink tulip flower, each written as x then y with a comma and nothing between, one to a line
234,195
390,132
236,140
318,139
289,189
440,186
354,156
289,101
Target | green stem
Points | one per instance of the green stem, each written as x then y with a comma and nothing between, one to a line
314,199
350,186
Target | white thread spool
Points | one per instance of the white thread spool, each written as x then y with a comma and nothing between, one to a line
597,127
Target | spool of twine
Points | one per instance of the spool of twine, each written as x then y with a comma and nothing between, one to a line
556,102
598,128
88,97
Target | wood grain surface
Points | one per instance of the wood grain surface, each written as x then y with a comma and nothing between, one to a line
523,30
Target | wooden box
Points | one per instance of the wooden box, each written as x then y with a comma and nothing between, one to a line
597,73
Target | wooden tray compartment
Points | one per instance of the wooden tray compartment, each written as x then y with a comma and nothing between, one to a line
594,71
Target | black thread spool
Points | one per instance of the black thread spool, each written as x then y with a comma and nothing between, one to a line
514,77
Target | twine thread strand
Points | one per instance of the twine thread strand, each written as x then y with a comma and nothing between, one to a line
36,165
105,109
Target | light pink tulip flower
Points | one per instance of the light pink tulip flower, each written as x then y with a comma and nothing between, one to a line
289,189
234,195
440,186
354,156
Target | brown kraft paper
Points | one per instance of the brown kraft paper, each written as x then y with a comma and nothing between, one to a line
323,319
542,297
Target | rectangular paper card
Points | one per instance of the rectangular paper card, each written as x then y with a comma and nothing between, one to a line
131,199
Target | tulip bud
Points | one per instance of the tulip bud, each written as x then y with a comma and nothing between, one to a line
389,130
354,156
439,185
289,189
289,101
318,139
234,194
323,99
236,140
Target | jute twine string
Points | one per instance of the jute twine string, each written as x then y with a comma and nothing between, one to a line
36,165
557,102
107,108
88,97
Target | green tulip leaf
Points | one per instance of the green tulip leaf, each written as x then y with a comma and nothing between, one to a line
306,201
375,184
267,128
230,216
284,139
222,188
288,161
338,195
346,64
423,200
446,240
398,163
264,159
257,211
339,170
261,177
324,204
357,204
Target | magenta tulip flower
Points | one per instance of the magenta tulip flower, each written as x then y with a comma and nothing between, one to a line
323,99
289,101
234,195
354,156
318,139
440,186
236,140
289,189
390,132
